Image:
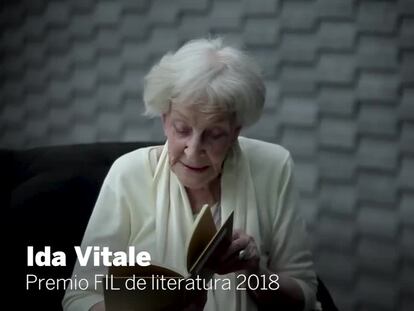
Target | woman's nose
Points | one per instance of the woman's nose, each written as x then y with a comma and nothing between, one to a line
194,146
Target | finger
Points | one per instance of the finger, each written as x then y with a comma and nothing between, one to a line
233,262
239,260
237,233
251,250
235,246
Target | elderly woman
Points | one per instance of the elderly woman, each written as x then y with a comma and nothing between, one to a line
205,93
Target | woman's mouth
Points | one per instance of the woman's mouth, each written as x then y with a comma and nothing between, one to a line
196,168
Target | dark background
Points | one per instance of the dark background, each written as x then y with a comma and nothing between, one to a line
340,78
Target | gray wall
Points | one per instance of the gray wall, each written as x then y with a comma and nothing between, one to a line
340,78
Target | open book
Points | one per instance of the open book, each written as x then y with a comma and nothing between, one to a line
158,287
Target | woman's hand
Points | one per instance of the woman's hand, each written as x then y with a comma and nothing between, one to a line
242,254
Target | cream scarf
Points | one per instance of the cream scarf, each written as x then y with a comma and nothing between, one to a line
174,220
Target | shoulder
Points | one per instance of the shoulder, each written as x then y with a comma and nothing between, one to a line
264,154
270,165
131,166
135,159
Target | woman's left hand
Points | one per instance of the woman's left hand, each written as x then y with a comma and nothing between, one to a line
241,254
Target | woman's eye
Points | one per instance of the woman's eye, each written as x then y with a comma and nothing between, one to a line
216,134
182,130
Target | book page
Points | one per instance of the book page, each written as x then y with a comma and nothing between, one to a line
202,244
202,233
222,237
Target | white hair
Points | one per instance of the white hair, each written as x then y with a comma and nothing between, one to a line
206,73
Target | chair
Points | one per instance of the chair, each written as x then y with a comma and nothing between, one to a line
325,298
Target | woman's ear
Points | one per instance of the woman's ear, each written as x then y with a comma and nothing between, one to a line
236,133
165,120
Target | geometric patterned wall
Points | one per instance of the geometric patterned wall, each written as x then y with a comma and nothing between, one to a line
340,79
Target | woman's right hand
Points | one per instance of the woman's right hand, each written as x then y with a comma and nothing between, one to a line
231,259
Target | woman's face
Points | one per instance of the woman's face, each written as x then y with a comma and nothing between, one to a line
197,143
